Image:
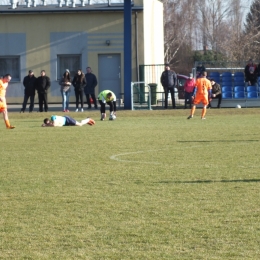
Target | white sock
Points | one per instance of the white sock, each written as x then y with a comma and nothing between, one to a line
85,121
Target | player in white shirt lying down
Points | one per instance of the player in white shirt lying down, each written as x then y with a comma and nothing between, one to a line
66,121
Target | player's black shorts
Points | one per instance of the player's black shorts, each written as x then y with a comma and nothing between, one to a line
69,121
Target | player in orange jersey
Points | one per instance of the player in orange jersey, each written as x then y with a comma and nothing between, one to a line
3,107
201,94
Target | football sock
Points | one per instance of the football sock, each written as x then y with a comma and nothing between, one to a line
203,113
193,110
85,121
7,123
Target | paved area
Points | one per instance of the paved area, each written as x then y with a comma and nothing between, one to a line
52,107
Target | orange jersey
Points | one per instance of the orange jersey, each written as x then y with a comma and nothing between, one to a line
3,87
203,85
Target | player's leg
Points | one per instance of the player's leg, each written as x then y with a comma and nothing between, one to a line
114,107
88,121
102,110
205,103
193,107
6,119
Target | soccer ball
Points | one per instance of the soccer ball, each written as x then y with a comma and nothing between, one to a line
238,106
112,117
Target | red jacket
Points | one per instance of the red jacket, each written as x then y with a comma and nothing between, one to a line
189,85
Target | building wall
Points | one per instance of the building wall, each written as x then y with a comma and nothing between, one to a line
39,38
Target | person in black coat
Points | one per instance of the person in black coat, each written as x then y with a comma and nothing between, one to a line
42,84
79,83
89,89
169,82
29,91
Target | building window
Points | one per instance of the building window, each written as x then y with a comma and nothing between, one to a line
10,65
70,62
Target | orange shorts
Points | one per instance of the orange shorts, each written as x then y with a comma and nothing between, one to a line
3,106
201,99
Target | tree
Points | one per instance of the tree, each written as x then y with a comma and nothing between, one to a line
252,30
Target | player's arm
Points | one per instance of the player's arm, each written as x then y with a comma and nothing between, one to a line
194,92
47,125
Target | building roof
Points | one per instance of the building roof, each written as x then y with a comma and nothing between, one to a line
23,9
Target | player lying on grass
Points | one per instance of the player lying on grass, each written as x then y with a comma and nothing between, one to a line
66,121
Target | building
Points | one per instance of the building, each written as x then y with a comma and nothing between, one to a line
74,36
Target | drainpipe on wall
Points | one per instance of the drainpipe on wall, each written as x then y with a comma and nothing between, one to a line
136,46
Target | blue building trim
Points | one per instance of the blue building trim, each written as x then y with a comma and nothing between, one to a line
127,53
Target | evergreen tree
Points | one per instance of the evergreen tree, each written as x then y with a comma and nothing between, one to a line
253,17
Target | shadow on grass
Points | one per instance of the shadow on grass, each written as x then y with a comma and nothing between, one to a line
207,181
216,141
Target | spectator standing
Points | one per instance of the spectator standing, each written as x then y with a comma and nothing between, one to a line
3,106
29,91
168,81
42,84
79,82
188,90
201,94
91,83
216,92
65,84
107,97
251,73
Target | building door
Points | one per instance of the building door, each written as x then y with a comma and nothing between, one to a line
109,73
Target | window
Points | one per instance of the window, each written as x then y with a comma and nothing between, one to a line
70,62
10,65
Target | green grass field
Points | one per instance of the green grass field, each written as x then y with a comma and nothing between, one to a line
149,185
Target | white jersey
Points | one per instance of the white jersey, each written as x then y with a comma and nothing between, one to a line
58,120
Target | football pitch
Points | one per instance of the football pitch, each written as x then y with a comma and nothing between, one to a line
149,185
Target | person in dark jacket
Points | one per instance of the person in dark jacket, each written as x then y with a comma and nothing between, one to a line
79,83
215,92
169,81
42,84
250,73
29,91
199,70
89,89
